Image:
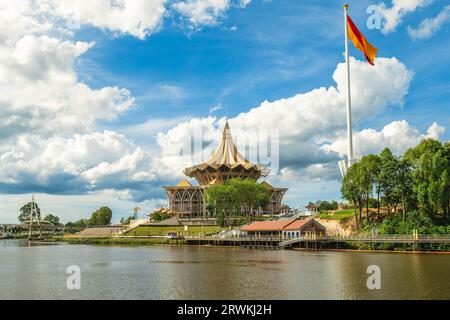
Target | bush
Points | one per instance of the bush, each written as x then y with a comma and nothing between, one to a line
414,220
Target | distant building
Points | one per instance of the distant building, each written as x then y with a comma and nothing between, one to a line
285,229
187,200
311,209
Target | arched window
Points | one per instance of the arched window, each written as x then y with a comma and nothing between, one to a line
186,202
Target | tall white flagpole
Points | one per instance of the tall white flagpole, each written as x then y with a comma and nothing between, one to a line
349,97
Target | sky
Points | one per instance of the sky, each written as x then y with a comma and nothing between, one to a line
97,97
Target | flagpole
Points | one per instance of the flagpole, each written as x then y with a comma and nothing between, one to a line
349,97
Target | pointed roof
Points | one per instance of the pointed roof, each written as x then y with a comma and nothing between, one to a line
184,183
227,154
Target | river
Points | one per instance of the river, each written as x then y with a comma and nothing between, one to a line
39,272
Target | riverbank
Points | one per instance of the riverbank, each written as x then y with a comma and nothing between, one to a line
113,241
155,241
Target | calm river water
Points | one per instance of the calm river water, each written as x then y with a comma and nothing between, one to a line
39,272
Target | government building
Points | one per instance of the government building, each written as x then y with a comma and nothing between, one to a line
187,200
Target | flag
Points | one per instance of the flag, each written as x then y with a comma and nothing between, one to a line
360,42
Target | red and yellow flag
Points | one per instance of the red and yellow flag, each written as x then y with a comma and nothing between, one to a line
360,42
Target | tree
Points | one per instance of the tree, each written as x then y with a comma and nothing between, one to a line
247,195
388,178
404,184
221,198
369,167
126,220
101,217
52,219
236,197
25,212
430,162
353,189
82,223
326,205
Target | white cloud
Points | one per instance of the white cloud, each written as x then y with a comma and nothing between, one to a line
216,108
40,92
244,3
393,16
202,12
428,27
398,136
138,18
49,119
305,122
79,164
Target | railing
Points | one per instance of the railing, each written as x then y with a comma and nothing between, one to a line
375,238
393,237
241,238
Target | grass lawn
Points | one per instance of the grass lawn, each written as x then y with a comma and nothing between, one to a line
338,215
163,230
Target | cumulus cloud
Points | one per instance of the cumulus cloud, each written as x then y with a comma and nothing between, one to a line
40,92
304,123
201,12
428,27
398,136
393,15
79,164
49,119
138,18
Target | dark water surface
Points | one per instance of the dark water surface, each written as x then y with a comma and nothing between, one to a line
39,272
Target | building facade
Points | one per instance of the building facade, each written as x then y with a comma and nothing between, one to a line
285,229
187,200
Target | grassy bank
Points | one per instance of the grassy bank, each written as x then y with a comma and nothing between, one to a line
161,231
341,216
120,241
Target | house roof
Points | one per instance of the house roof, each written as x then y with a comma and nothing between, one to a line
279,225
311,206
266,225
297,224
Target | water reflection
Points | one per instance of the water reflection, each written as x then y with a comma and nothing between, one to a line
215,273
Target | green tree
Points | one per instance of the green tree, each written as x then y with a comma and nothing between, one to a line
388,178
247,195
237,197
404,185
221,198
326,205
430,161
353,189
101,217
82,223
369,170
52,219
25,212
126,220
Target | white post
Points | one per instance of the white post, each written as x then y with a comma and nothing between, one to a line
349,97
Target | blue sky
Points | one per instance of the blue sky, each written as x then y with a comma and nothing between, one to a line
103,144
280,48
